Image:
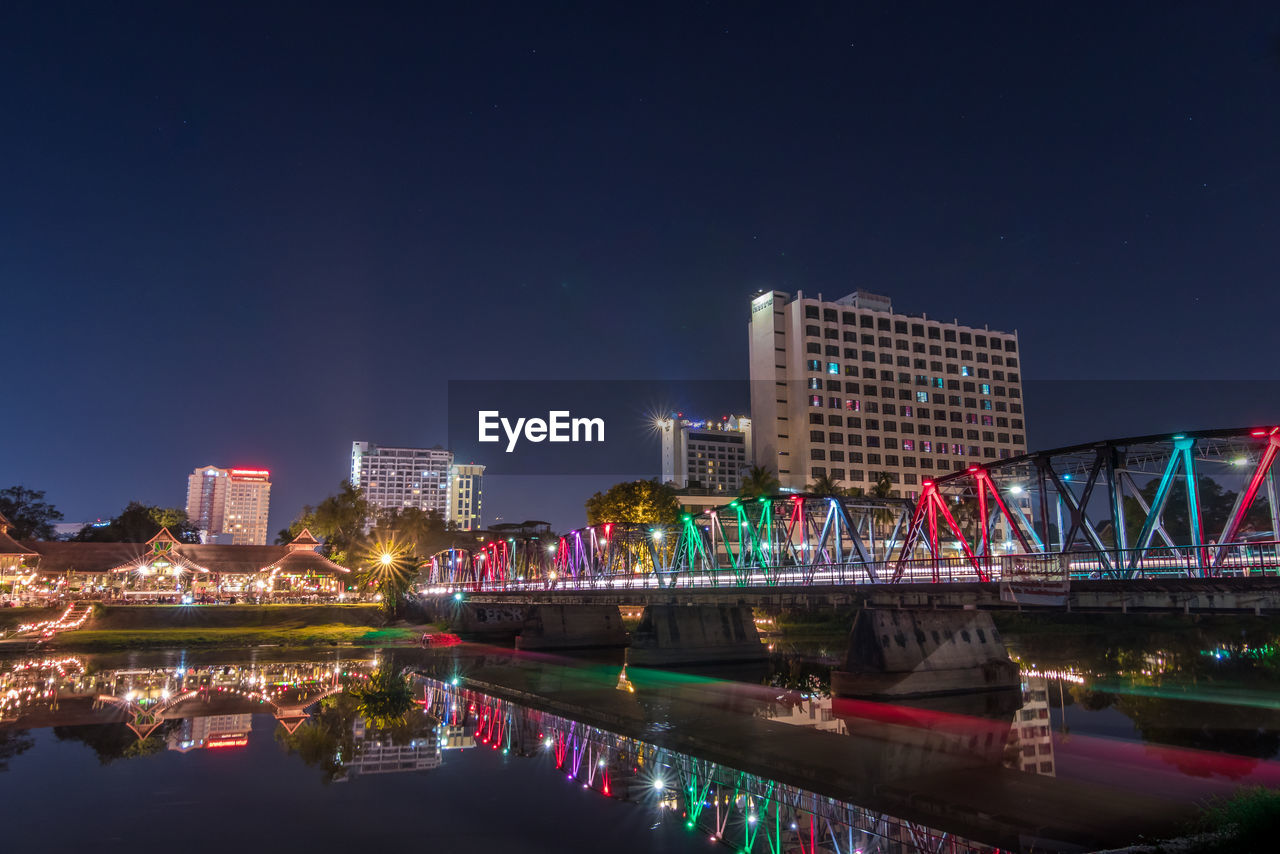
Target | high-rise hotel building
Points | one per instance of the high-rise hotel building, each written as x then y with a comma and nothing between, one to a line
465,496
230,505
707,454
394,478
849,389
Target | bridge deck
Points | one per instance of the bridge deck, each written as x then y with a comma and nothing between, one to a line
1167,595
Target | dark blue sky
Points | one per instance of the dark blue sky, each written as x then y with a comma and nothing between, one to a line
248,234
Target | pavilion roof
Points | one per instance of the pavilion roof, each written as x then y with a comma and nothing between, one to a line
55,558
305,539
10,546
233,560
299,562
58,557
174,557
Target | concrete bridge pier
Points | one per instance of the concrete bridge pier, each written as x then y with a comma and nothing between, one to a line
695,634
903,653
553,627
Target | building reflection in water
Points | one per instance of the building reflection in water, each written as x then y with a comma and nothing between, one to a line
210,731
1031,737
382,752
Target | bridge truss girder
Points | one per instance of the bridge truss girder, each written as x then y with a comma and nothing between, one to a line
1081,502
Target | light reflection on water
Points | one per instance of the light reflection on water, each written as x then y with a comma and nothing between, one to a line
767,762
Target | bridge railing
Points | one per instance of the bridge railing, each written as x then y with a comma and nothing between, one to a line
1229,560
1233,560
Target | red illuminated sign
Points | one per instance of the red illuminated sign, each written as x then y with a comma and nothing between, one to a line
263,473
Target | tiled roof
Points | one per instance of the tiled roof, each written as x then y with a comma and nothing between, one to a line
10,546
306,562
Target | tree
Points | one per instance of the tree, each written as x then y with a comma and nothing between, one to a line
116,741
824,486
13,742
325,739
30,516
138,523
882,517
339,520
644,501
383,700
1216,505
391,568
760,480
424,532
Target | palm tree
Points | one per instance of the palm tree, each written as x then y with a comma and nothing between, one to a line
384,699
824,486
760,481
882,517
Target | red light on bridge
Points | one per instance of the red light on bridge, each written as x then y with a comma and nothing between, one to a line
973,469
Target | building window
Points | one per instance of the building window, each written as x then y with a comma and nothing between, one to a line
815,400
833,368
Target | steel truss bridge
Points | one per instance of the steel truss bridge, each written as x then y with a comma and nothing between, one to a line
1187,505
743,810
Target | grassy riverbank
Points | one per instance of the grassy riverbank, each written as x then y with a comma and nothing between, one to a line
13,617
88,640
123,627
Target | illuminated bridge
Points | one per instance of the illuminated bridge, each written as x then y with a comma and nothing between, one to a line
1193,506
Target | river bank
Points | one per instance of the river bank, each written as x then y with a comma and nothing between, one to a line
119,627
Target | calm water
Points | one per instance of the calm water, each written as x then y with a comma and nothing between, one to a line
518,752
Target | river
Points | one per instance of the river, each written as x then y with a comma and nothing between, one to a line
1106,742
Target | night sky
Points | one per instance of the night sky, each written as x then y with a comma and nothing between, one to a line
248,234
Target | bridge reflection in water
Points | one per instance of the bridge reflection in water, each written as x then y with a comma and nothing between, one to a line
211,706
756,767
746,811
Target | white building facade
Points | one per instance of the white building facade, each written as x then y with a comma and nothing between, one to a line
850,389
393,478
707,454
